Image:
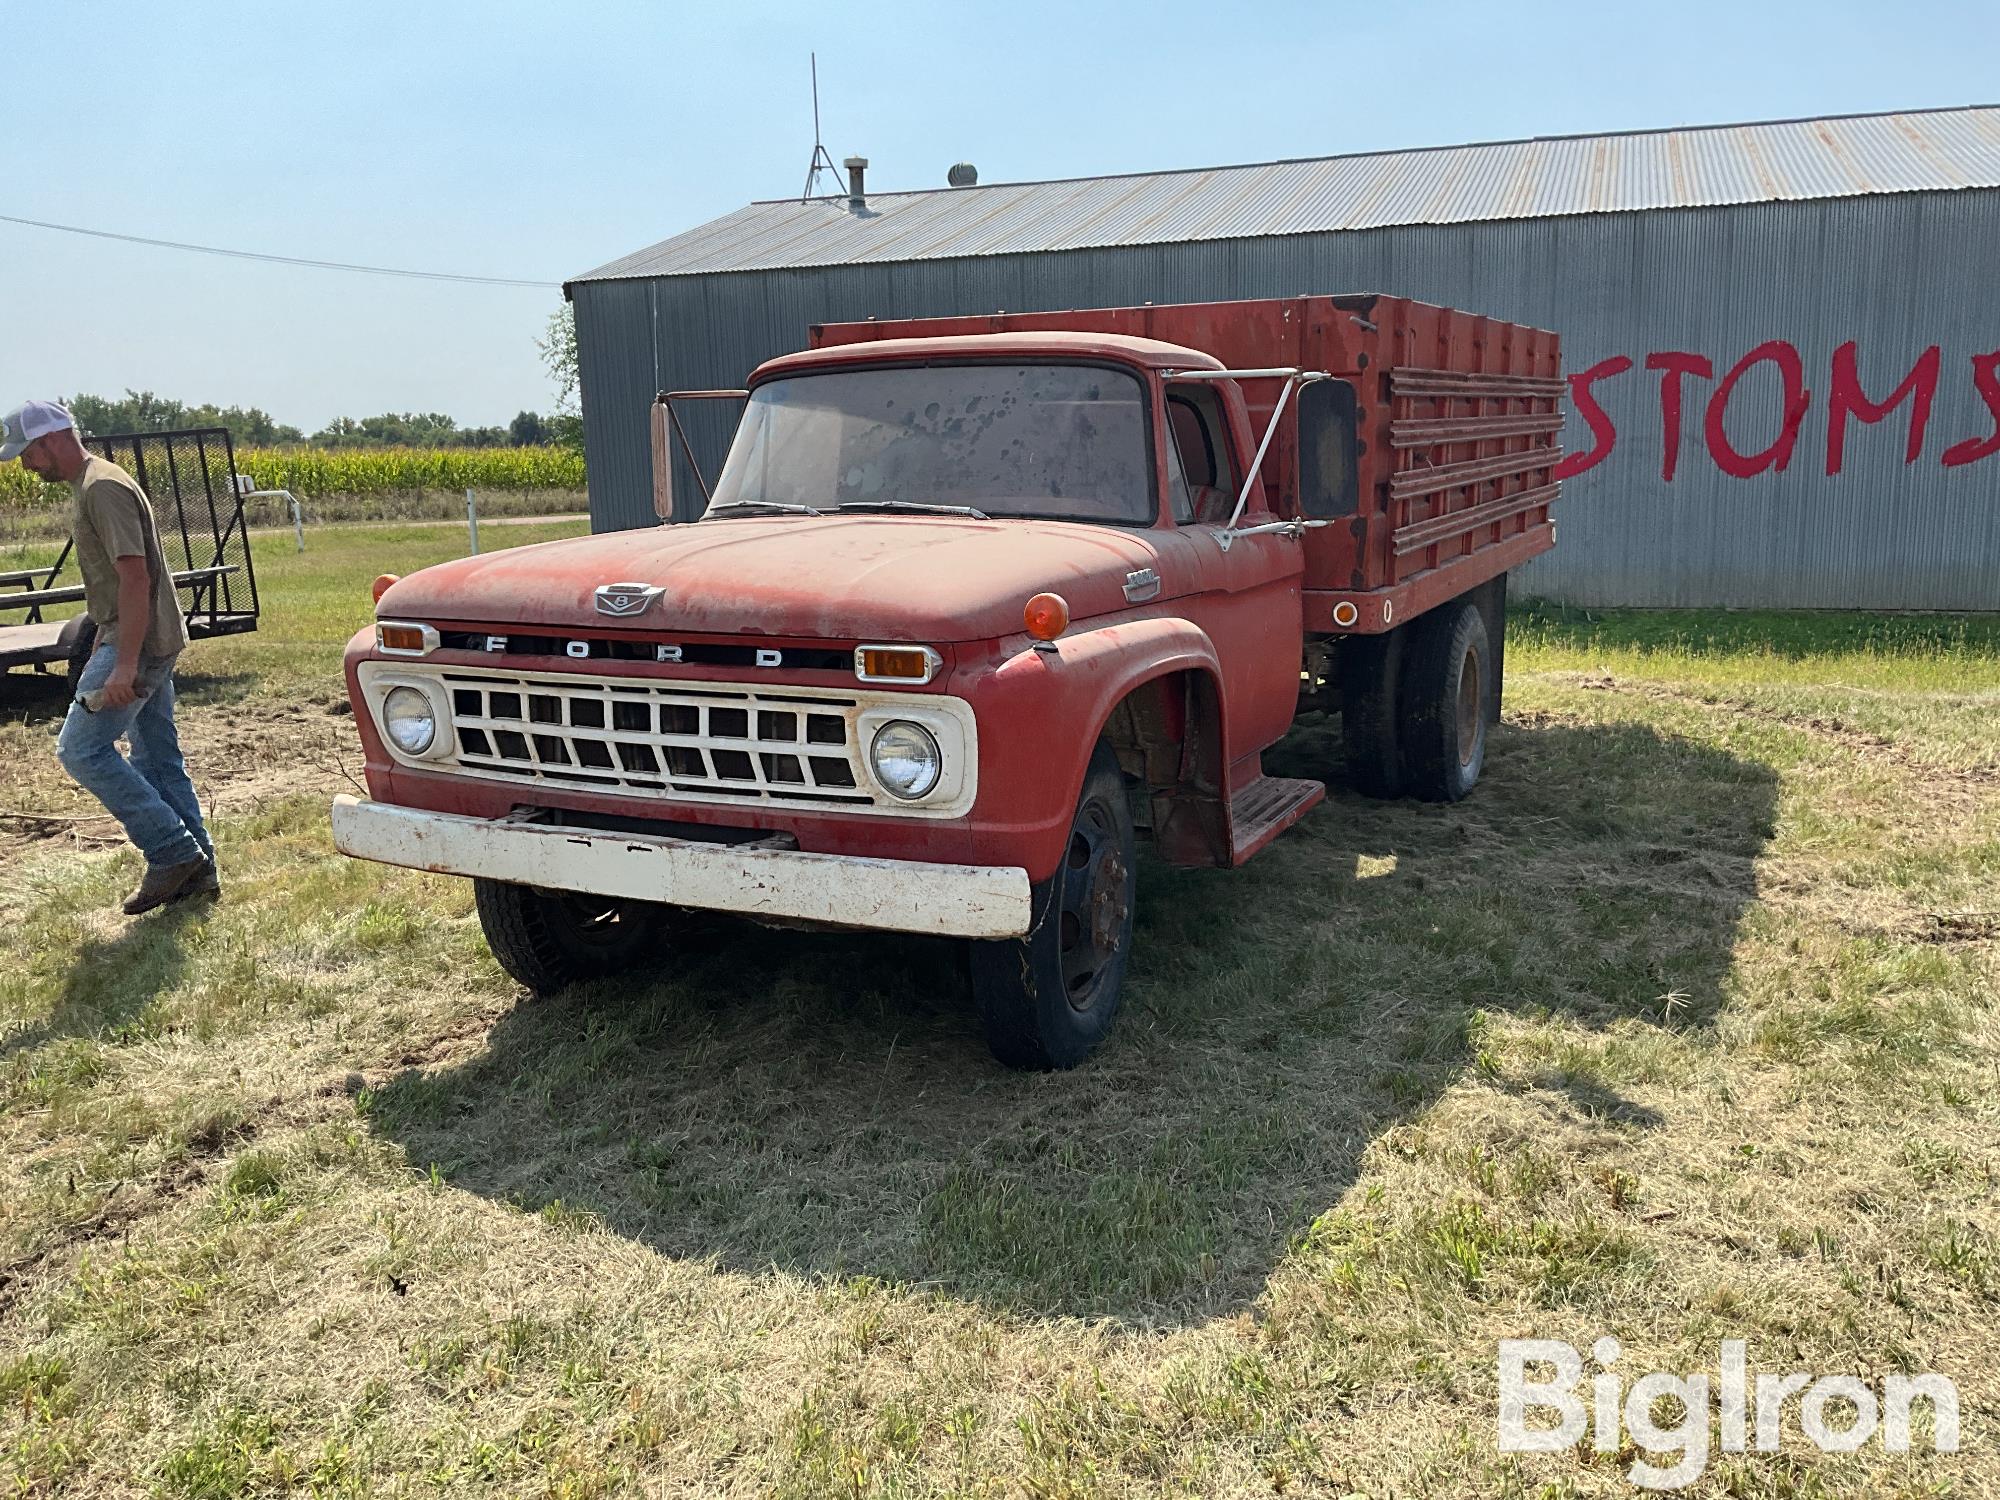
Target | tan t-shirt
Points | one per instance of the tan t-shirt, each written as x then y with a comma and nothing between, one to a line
113,520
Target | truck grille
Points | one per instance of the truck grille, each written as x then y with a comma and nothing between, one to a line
712,741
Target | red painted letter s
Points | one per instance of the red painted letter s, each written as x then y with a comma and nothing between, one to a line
1985,375
1603,431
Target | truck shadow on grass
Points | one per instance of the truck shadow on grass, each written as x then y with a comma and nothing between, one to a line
825,1105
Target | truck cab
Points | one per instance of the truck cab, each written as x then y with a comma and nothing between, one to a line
966,614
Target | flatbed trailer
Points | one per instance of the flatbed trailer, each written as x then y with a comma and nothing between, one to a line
190,479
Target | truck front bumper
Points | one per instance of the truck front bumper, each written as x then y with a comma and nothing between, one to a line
895,895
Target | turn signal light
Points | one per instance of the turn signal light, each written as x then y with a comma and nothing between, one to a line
1047,616
408,638
895,663
382,585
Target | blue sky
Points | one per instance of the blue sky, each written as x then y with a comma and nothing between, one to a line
540,140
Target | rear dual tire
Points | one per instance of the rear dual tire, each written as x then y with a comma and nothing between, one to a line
1447,669
1415,704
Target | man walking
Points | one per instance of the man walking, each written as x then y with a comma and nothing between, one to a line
127,686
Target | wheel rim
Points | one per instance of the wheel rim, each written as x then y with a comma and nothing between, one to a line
1096,899
1471,718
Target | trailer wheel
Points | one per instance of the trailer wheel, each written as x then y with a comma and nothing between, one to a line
79,639
1048,999
551,939
1370,666
1447,676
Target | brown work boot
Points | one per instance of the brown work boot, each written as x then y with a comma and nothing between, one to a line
207,884
163,883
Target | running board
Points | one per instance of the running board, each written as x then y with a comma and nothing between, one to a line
1262,809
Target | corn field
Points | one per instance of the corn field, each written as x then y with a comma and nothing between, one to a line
318,473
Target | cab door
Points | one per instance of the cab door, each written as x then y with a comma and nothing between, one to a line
1246,594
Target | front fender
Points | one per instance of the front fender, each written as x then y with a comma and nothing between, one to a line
1041,713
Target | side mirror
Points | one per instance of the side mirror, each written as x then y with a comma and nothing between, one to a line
663,462
1329,450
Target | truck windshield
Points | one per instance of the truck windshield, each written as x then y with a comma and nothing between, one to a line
1066,442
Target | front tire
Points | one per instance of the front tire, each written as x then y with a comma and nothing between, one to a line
549,940
1447,678
1048,999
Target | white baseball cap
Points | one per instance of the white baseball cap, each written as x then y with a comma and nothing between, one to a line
28,421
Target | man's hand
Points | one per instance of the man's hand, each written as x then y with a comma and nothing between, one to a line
135,608
122,686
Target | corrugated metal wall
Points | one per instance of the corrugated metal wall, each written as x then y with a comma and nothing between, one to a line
1893,274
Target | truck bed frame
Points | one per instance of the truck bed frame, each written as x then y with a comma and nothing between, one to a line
1459,420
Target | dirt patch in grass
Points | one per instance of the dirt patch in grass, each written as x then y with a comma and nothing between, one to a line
243,749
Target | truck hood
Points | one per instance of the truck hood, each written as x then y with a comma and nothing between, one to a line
821,578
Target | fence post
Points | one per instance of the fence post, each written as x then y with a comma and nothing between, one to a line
298,519
472,521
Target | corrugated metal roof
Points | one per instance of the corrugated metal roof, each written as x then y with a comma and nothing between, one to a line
1704,166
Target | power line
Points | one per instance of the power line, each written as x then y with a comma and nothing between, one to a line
282,260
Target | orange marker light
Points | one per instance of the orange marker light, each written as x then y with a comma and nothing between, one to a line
1047,616
408,638
382,585
905,663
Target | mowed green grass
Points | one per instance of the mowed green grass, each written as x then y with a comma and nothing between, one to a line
312,600
1681,1029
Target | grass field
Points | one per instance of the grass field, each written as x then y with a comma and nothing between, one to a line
1681,1029
363,471
23,527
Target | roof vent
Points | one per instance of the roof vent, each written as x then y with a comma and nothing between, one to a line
963,174
857,198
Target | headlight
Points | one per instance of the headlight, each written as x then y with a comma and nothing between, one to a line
410,719
905,759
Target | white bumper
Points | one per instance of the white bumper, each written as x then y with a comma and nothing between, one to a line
897,895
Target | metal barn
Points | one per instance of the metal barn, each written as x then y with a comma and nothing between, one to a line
1783,339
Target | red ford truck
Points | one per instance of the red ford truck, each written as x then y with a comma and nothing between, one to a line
975,603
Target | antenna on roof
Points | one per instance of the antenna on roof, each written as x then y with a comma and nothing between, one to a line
822,159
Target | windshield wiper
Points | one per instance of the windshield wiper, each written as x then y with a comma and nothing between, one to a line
778,505
913,505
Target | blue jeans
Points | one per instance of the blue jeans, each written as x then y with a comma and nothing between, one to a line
150,794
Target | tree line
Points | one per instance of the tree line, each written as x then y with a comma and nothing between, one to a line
253,427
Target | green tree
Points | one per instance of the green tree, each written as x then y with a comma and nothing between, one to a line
143,411
558,350
409,429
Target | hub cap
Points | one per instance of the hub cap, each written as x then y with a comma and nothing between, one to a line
1096,898
1470,710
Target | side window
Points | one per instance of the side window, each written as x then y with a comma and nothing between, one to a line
1178,496
1196,423
1191,437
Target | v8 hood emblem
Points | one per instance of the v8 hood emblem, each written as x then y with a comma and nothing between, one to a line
626,599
